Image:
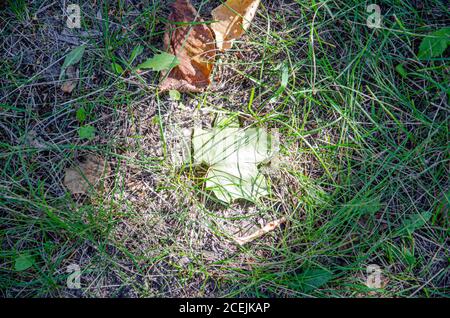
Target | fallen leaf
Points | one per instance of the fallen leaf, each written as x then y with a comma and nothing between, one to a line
194,45
232,155
72,78
80,179
232,19
68,86
265,229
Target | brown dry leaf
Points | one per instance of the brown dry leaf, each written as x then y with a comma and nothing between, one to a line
72,78
195,48
68,86
266,228
80,179
233,19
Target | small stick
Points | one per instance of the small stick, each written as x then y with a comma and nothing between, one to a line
265,229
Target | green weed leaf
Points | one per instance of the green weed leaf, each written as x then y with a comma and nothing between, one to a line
309,280
135,53
283,85
117,68
434,44
315,278
174,95
160,62
81,114
23,262
415,222
401,70
86,132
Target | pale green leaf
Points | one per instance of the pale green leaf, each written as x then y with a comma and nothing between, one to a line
117,68
174,95
232,155
86,132
160,62
230,180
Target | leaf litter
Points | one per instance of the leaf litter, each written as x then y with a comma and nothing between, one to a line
193,44
80,179
186,66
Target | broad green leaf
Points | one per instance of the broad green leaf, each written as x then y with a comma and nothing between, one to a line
232,155
434,44
23,262
309,279
159,62
81,114
86,132
72,58
174,95
370,205
117,68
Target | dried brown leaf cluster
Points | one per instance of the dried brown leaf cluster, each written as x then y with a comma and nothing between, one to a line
195,44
